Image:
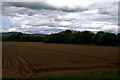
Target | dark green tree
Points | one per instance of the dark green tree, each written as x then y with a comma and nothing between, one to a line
107,39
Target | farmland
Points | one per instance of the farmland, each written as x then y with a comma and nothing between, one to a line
24,59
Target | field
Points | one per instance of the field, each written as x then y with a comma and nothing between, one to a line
24,59
5,35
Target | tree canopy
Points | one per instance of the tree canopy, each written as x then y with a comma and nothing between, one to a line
70,37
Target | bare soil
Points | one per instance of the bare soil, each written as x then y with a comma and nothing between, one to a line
24,59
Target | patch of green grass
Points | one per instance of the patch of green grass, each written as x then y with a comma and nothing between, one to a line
81,76
87,75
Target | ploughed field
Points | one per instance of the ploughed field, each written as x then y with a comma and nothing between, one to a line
24,59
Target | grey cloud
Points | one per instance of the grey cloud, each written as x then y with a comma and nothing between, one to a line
43,5
32,5
109,8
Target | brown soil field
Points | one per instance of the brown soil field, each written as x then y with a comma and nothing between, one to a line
24,59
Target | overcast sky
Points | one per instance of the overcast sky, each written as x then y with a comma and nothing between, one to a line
51,16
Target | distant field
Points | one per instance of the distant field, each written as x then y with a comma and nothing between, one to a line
24,59
5,35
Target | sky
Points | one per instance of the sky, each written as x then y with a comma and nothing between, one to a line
52,16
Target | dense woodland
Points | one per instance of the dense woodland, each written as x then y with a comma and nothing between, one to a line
69,37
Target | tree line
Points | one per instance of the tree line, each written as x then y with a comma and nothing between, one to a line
20,37
70,37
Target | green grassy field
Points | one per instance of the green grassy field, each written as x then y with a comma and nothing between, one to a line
86,75
81,76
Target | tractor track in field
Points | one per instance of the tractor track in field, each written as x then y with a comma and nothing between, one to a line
25,67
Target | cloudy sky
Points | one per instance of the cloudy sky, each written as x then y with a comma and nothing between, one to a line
51,16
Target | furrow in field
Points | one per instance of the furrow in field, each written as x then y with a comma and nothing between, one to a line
69,68
3,61
7,61
11,62
22,69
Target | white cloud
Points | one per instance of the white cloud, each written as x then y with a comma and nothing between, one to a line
26,26
91,12
110,28
47,27
69,4
65,23
12,29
